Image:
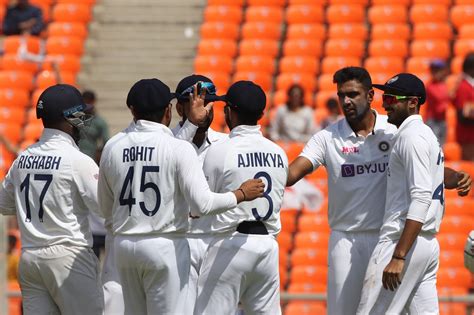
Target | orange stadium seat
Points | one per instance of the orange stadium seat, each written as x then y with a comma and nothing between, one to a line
87,2
13,98
390,31
67,63
302,47
305,31
344,13
35,96
259,30
309,257
11,131
418,64
47,78
466,31
32,132
307,81
42,2
12,62
463,46
352,2
430,49
226,2
440,31
452,151
453,277
304,14
307,2
67,29
67,12
218,30
344,31
255,63
389,64
441,2
428,13
453,241
285,241
224,47
257,47
288,224
299,65
313,223
12,43
273,3
325,82
294,148
388,48
212,63
461,14
451,259
64,46
467,2
457,224
305,308
280,97
264,14
312,240
16,80
383,14
344,48
456,64
459,206
223,13
10,113
261,78
308,274
14,303
332,64
307,288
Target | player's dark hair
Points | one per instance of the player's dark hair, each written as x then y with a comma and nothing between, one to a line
468,63
88,96
156,115
250,119
353,73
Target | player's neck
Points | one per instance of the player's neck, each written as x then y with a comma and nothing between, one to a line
365,126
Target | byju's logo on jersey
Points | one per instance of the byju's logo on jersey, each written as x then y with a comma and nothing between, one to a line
351,170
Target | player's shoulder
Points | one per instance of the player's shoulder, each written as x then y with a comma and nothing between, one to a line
217,136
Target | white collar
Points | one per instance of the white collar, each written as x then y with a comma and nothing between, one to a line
244,130
146,125
56,134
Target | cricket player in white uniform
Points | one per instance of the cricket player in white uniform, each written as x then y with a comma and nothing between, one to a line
355,152
147,180
241,263
51,187
405,260
195,129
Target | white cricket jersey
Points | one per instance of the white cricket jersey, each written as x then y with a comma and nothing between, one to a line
415,185
356,167
247,154
51,186
186,132
148,178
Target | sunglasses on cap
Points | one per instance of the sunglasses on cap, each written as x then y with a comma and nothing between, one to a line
210,89
391,99
77,117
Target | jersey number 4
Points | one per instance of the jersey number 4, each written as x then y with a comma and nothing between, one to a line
128,200
25,186
266,196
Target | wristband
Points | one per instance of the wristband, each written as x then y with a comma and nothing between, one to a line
398,257
245,197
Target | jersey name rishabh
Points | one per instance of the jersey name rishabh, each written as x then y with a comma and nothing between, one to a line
39,162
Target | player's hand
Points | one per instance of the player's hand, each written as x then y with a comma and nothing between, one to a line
196,111
464,183
392,274
250,190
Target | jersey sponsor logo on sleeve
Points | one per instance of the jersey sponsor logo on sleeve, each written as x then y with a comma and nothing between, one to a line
351,170
260,159
350,150
39,162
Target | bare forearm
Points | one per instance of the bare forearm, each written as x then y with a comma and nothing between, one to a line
298,169
450,178
410,233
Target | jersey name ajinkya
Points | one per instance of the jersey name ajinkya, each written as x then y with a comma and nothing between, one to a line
260,159
39,162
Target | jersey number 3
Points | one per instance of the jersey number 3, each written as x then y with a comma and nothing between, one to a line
25,186
130,201
266,196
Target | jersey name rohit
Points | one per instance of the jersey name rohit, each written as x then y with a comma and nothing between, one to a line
260,159
137,153
39,162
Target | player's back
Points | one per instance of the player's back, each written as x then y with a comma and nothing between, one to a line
141,168
55,187
247,154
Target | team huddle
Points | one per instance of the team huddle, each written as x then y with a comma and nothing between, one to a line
192,214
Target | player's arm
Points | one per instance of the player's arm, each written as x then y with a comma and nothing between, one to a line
7,194
298,169
461,181
86,174
104,188
415,156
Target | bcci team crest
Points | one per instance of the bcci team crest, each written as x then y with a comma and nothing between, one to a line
384,146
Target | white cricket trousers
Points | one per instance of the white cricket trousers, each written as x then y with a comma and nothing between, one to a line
198,244
348,256
240,267
416,294
113,296
60,279
154,273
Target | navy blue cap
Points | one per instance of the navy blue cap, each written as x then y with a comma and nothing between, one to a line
246,96
149,95
404,84
58,102
190,81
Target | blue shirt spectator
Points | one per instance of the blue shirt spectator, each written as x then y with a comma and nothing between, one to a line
23,18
